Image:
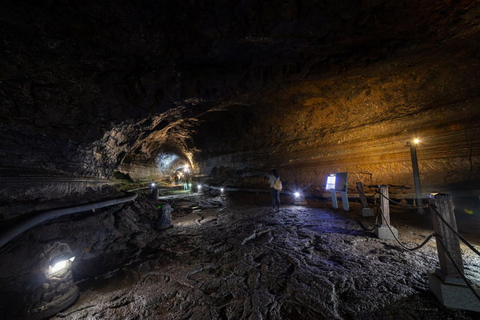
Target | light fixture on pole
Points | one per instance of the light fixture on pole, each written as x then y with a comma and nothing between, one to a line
416,176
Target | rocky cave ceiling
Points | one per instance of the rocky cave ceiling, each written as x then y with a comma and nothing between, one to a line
310,87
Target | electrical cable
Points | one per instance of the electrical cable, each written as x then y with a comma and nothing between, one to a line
435,210
467,281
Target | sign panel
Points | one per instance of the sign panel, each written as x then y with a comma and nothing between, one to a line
330,182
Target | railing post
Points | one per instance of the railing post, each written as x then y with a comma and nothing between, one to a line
444,207
447,283
384,205
366,211
385,231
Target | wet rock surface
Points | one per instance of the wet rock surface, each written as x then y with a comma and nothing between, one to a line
232,258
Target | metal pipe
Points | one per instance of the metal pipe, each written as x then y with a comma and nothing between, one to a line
54,214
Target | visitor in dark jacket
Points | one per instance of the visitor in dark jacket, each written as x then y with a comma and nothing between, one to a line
275,194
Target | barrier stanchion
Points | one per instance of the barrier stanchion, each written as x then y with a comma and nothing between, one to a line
366,211
385,230
447,282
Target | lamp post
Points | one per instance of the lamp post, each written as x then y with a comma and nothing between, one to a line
416,176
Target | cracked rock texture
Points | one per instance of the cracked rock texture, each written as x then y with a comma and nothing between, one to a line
234,259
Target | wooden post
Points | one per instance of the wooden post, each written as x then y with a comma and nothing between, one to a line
446,283
384,205
385,231
361,194
444,206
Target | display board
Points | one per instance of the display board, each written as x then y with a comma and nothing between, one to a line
337,182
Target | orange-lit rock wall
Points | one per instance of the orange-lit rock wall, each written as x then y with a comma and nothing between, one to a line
360,120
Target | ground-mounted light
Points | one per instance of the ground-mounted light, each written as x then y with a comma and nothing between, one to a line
49,288
60,263
299,198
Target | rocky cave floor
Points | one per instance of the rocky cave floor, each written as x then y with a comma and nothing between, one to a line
230,257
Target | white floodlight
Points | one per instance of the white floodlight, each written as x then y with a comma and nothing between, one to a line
296,194
152,184
60,263
221,189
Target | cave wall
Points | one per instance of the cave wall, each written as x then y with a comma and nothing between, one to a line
360,120
309,87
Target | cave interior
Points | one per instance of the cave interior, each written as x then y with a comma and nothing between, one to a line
137,138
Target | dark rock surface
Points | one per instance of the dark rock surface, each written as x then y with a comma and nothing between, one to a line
231,258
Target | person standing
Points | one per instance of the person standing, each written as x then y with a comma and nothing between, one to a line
275,188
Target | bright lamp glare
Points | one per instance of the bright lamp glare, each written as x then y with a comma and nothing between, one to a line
296,194
152,184
199,187
416,141
59,266
221,189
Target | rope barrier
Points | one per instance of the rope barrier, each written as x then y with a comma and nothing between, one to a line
435,210
441,218
366,197
400,243
401,204
437,237
467,281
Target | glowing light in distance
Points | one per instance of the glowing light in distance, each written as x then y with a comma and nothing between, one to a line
152,184
199,187
296,194
416,140
221,189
